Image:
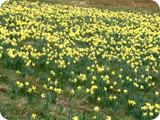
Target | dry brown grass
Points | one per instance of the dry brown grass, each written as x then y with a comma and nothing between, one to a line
145,6
132,3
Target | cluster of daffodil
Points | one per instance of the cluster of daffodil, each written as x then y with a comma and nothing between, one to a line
131,102
113,56
29,89
150,110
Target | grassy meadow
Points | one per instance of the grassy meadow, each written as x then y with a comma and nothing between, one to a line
145,6
79,60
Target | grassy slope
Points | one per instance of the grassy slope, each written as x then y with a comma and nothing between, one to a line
8,76
146,6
